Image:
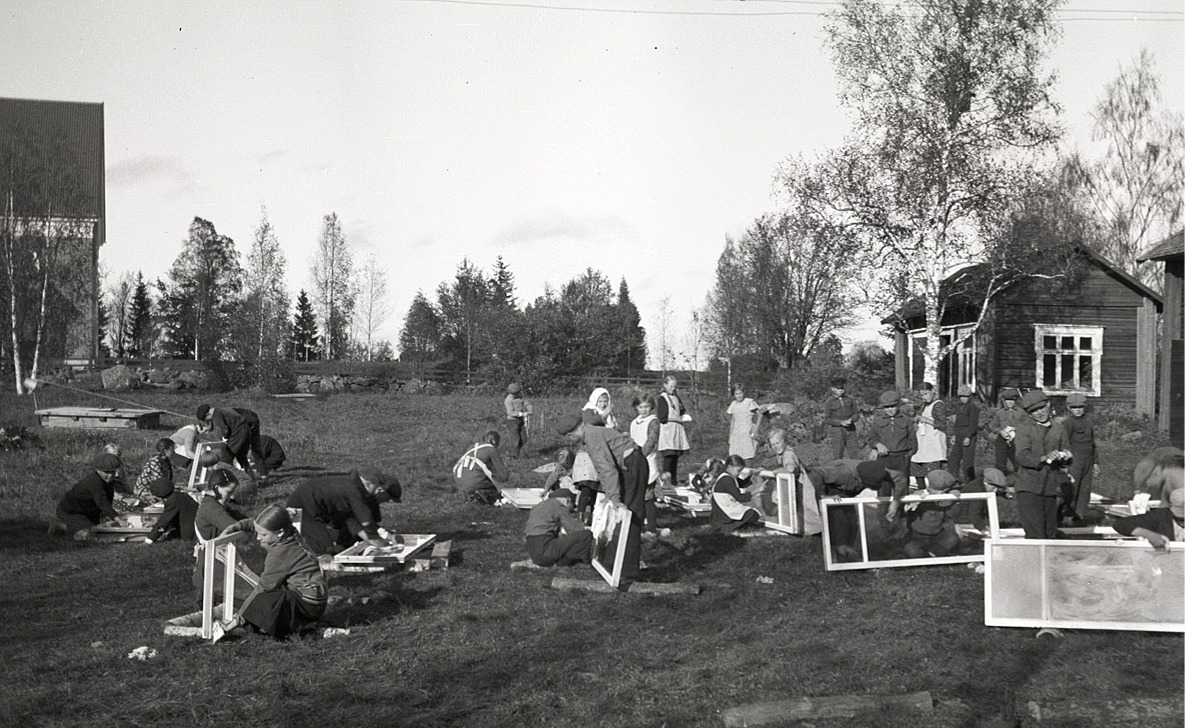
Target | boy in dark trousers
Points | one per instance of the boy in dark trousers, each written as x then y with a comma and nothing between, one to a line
966,429
892,434
931,524
178,515
545,544
1042,450
1079,428
839,414
1003,426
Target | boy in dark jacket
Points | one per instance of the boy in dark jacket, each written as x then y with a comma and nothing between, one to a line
1079,428
966,430
546,545
178,515
88,502
893,434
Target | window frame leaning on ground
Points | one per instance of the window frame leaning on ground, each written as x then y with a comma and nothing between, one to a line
1077,332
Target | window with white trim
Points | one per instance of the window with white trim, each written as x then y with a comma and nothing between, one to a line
1069,358
956,368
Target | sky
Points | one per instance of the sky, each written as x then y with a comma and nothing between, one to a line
626,137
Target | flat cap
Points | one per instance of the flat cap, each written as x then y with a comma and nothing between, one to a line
1077,399
106,462
890,399
1032,400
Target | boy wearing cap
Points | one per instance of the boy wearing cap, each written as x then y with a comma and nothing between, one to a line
478,471
975,511
517,411
88,502
554,536
846,479
1079,428
339,511
622,472
240,428
1042,451
839,414
963,437
1003,426
931,525
893,434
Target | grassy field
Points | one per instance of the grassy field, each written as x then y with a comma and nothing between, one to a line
480,645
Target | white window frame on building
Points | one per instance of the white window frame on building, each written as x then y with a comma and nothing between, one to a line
1072,344
962,359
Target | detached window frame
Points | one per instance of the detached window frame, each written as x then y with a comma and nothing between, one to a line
1072,345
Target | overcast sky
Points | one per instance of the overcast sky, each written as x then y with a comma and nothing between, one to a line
560,136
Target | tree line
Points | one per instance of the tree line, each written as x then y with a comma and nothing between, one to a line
474,323
211,306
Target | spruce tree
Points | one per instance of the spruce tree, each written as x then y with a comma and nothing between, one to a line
304,345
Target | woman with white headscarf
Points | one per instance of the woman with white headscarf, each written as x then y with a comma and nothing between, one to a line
598,410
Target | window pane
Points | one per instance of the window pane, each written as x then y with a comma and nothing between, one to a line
1085,343
1067,342
1050,342
1068,369
1049,375
1086,372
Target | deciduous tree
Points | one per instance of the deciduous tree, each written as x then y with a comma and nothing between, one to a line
419,340
947,94
203,294
266,300
333,292
372,305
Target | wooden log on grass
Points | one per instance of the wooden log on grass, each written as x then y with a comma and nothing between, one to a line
837,706
637,587
1131,711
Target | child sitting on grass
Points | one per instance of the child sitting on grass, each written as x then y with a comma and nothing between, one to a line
561,477
554,536
931,525
730,509
292,590
177,519
88,502
158,467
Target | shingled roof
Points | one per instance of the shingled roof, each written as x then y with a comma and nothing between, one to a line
79,128
1171,247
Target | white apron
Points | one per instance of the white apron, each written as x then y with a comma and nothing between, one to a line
639,429
672,436
931,440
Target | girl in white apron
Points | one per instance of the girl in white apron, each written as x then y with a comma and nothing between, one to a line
645,432
672,438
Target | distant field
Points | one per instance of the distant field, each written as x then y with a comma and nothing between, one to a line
480,645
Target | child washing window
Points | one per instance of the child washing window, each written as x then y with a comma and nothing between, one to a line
730,509
158,467
292,590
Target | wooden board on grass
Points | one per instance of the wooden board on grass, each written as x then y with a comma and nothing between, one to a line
524,498
821,708
684,499
99,418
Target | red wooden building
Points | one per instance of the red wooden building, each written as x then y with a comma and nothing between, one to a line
1096,335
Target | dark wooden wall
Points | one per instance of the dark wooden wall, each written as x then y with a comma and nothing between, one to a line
1098,299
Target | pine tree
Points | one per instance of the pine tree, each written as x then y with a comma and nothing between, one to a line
304,345
631,337
502,285
140,334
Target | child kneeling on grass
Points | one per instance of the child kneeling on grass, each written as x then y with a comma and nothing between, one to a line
729,502
931,525
546,545
158,466
292,590
177,519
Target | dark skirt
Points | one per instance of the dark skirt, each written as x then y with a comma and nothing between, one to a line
279,613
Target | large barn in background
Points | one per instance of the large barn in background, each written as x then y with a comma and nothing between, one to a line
72,135
1098,338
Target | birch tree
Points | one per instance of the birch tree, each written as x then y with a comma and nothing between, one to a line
948,98
119,310
266,298
333,292
373,305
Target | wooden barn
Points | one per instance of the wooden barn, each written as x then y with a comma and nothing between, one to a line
1171,251
1098,337
47,147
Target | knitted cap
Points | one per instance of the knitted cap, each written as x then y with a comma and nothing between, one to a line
106,463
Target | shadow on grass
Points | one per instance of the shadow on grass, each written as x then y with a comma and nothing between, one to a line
28,535
669,561
381,606
303,469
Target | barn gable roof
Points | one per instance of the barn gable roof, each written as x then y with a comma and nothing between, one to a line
79,126
1171,247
